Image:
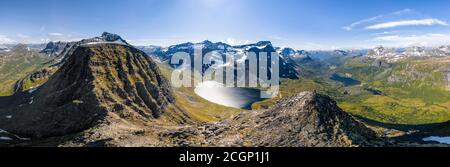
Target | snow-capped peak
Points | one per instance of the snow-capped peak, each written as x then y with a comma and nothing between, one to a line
445,49
414,51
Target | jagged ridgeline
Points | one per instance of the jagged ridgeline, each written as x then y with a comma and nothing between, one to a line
97,82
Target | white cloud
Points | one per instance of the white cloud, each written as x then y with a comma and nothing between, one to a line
393,24
164,41
22,36
385,33
56,34
396,29
278,38
6,40
233,41
413,40
351,26
405,17
356,24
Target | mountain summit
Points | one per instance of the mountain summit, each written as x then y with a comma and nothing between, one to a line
110,37
307,119
98,83
60,50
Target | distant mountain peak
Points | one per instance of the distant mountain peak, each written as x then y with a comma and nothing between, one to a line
61,49
262,43
111,37
341,52
445,48
20,46
396,54
207,42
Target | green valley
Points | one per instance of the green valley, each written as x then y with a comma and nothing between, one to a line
18,64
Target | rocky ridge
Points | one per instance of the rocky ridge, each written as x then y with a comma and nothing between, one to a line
98,82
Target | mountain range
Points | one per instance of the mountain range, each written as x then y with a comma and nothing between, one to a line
393,54
287,69
60,49
103,91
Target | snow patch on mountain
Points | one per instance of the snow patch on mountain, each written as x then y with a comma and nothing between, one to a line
397,54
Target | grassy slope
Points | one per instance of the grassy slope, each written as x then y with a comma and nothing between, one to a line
419,98
197,107
16,65
313,77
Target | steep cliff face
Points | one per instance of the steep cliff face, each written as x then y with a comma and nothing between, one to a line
97,82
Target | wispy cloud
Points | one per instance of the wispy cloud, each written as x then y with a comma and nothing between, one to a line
401,18
22,38
278,38
397,29
385,33
56,34
6,40
393,24
353,25
413,40
234,41
369,20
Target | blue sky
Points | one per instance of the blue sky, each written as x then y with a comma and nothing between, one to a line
301,24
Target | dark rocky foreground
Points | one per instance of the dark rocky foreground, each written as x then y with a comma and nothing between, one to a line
114,95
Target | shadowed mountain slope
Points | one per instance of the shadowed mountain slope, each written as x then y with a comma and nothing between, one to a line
97,82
